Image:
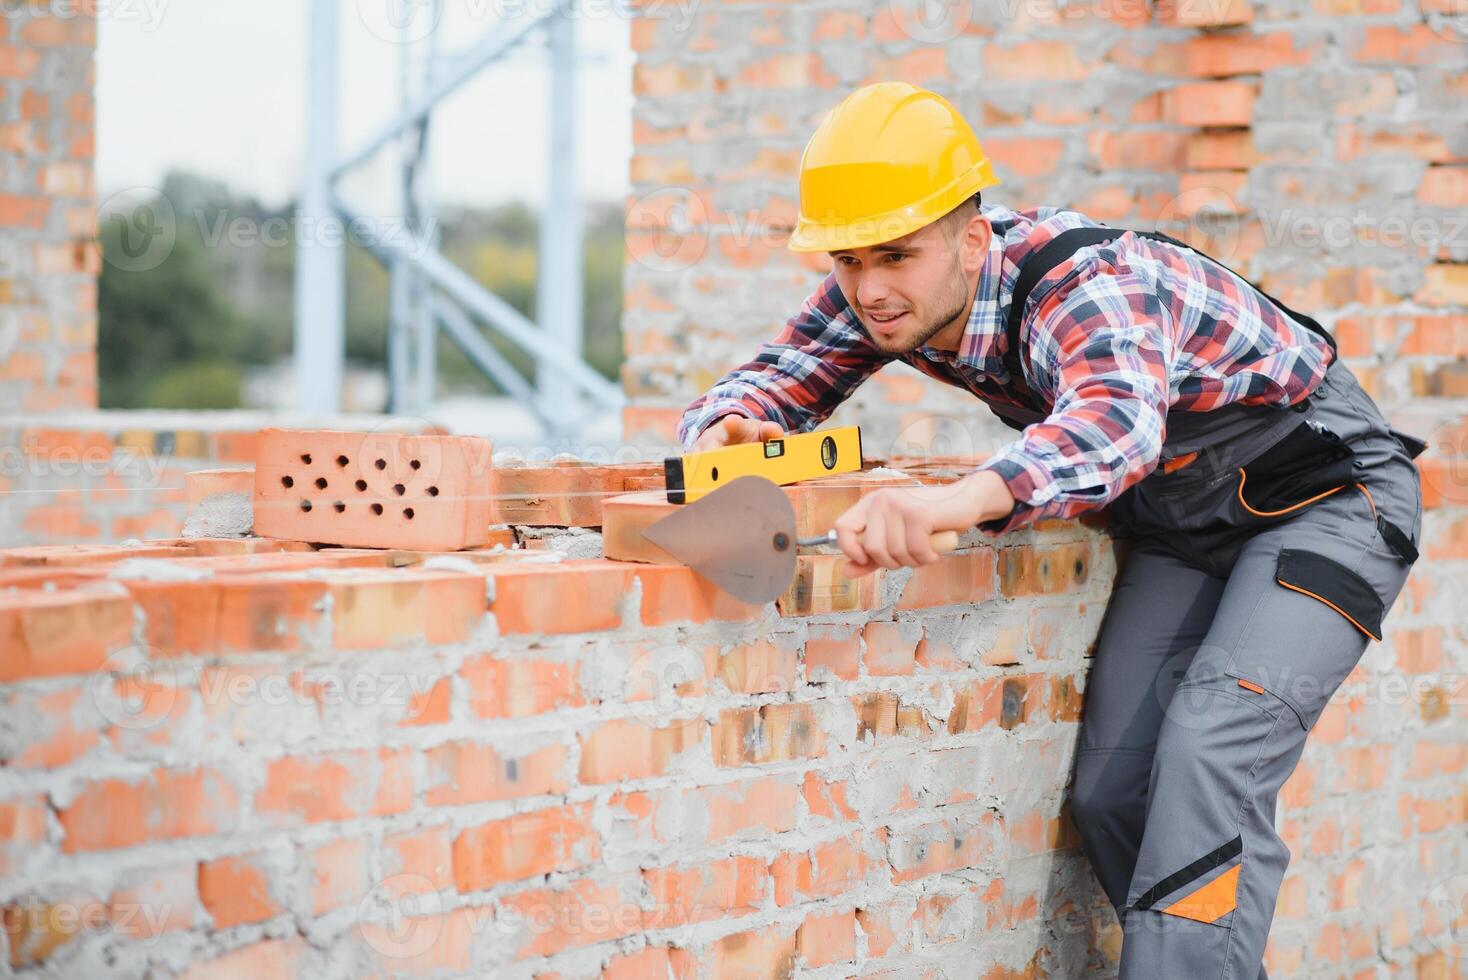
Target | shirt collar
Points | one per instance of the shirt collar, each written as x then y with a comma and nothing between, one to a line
985,341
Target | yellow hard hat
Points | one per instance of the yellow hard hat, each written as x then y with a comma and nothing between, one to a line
889,159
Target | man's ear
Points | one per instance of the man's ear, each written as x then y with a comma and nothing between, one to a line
975,242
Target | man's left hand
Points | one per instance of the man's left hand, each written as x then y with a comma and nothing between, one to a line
889,528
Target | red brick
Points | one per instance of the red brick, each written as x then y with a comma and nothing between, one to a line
22,830
1421,140
891,646
1245,54
1416,45
1025,155
637,748
1210,104
1221,150
1445,284
342,786
1049,61
824,871
827,800
570,493
166,805
520,688
48,634
625,517
956,578
676,594
526,845
564,597
1043,570
468,772
945,845
1445,187
236,890
820,586
228,614
1152,151
36,929
686,895
824,939
267,958
431,707
766,952
761,667
363,489
650,961
771,733
372,608
836,649
585,912
416,862
47,32
338,875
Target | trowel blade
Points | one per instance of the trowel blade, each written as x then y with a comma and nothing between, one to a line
732,537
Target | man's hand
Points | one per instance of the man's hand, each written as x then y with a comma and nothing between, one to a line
734,429
889,528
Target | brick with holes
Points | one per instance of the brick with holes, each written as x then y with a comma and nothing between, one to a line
374,489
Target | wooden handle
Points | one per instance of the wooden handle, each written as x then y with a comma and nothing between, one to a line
942,541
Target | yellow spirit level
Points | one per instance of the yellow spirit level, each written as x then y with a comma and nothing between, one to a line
804,456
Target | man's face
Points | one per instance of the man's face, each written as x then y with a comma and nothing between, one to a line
906,290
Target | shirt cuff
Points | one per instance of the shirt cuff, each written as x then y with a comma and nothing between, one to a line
697,424
1028,480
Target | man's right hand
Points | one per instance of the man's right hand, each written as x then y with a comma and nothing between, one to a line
733,429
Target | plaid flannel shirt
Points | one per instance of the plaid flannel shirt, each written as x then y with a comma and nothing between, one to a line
1130,330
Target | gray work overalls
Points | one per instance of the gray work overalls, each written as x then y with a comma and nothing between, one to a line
1258,570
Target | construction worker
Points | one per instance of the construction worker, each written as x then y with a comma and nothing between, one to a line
1273,514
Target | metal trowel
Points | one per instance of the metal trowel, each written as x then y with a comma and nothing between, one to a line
742,538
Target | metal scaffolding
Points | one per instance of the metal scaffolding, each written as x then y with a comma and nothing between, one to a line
428,293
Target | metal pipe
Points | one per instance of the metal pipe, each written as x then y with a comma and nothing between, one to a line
496,41
495,312
558,306
320,300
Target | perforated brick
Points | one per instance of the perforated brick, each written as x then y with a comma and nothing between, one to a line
374,489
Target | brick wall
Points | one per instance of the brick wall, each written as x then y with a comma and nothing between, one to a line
261,758
48,256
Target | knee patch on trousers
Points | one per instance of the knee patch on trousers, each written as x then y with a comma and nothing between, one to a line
1205,890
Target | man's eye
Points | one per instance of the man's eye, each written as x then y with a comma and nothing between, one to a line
896,257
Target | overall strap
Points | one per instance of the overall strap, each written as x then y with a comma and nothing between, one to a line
1064,245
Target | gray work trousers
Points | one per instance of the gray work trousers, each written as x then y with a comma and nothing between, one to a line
1250,592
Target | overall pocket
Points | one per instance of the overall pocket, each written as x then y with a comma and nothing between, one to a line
1308,464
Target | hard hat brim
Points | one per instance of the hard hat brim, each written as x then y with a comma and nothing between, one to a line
815,236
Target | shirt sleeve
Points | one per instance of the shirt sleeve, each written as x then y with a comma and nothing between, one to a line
799,378
1101,346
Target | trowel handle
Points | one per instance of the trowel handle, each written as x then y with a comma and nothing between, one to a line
942,541
939,541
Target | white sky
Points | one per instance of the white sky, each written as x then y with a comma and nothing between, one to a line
218,87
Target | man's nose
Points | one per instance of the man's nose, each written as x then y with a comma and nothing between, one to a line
871,289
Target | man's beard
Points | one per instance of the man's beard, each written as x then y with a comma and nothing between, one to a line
925,333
